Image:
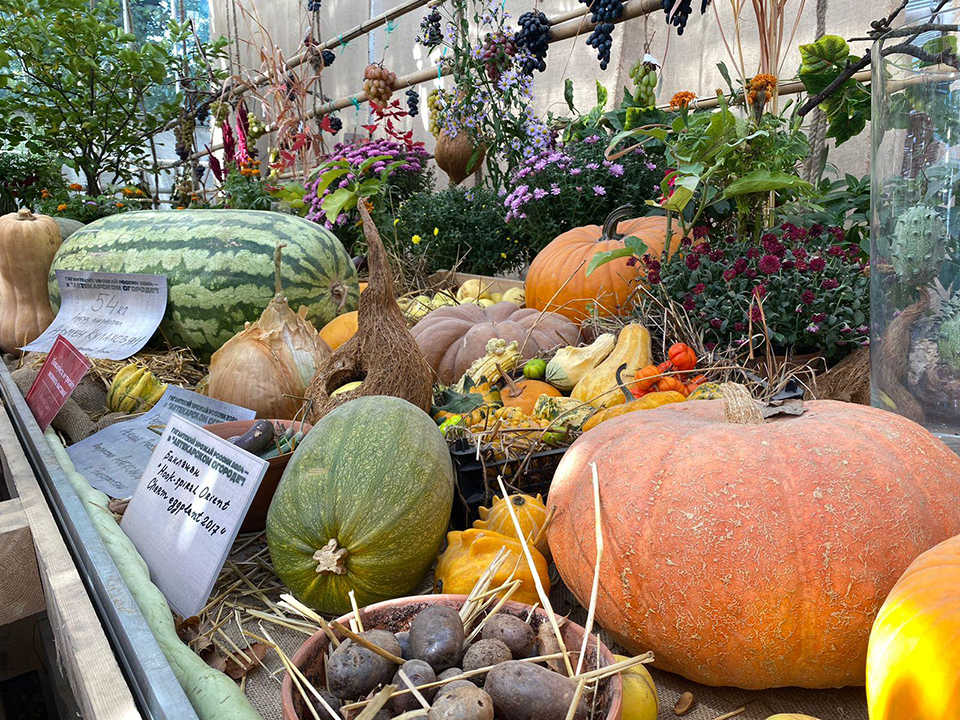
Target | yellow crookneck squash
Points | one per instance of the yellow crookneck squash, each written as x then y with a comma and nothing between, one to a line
599,387
469,554
570,364
531,513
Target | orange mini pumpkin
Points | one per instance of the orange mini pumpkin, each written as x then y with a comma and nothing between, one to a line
609,287
524,394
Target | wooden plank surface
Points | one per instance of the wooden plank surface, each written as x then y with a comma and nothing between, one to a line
85,654
21,594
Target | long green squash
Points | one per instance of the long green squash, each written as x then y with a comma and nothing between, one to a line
219,267
363,505
214,696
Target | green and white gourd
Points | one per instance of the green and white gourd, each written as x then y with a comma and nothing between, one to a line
918,245
219,267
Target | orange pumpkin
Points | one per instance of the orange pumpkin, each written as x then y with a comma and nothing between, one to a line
609,287
759,554
524,394
913,663
336,332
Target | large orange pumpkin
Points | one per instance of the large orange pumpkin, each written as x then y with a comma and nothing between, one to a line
756,555
913,663
609,287
343,327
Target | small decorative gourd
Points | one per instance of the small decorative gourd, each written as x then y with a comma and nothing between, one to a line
570,364
469,554
600,386
531,512
134,389
28,243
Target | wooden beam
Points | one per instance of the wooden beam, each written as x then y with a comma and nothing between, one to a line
85,653
21,593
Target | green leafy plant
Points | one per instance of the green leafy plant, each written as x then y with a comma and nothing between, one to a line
86,208
245,190
24,176
77,85
848,108
462,228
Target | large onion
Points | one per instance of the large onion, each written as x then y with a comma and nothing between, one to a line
268,365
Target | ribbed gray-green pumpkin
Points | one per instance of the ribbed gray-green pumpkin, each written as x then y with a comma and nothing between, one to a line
219,267
363,505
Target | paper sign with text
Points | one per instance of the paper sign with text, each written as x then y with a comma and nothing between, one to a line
113,459
106,315
187,510
64,367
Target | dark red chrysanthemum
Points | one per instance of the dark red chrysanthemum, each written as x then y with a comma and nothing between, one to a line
817,264
692,261
716,255
807,297
700,232
829,284
716,323
818,317
699,288
729,274
769,264
753,252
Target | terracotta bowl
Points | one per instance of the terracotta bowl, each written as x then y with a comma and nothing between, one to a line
395,616
256,518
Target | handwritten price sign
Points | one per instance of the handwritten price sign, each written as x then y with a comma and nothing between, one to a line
106,315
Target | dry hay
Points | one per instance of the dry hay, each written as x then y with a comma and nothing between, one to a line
894,347
176,366
848,380
382,354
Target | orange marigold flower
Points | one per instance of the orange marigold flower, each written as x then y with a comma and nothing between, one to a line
61,207
760,87
119,204
76,186
180,207
682,99
45,194
139,192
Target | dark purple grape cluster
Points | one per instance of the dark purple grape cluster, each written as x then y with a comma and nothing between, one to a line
602,14
533,39
677,12
431,34
328,58
313,5
336,125
203,114
496,52
413,102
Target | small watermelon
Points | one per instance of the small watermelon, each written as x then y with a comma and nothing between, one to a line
363,505
219,267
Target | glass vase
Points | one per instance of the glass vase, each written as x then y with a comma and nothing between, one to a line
915,224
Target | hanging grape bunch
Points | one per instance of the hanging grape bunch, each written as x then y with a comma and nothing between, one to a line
378,84
220,111
602,14
678,11
255,127
430,33
413,102
435,102
336,125
203,114
328,58
532,40
644,76
313,5
183,134
496,53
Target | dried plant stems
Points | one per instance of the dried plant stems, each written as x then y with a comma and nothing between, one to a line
294,674
591,611
617,667
544,598
572,710
356,612
385,654
376,703
413,688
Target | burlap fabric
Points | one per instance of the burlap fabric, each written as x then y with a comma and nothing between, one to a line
84,412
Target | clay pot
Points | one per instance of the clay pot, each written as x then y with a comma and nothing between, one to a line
256,517
395,616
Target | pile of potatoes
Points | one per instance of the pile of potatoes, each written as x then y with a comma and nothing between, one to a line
433,649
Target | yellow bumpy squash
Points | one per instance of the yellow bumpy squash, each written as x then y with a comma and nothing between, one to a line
570,364
647,402
500,356
134,389
531,513
707,391
470,552
599,386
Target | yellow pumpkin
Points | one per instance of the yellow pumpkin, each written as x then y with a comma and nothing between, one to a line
913,663
640,701
531,512
599,386
470,552
647,402
336,332
791,716
134,389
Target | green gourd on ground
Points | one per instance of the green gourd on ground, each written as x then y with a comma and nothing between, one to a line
363,505
219,267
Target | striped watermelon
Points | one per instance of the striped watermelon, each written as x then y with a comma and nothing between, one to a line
219,267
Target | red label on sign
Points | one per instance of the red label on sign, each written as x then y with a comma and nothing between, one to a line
64,367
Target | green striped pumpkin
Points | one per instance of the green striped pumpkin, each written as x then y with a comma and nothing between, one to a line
219,267
374,478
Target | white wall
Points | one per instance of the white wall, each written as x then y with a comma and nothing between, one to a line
689,62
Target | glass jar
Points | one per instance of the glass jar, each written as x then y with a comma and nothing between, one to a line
915,226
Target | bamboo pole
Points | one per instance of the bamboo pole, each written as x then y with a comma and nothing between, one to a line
563,27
